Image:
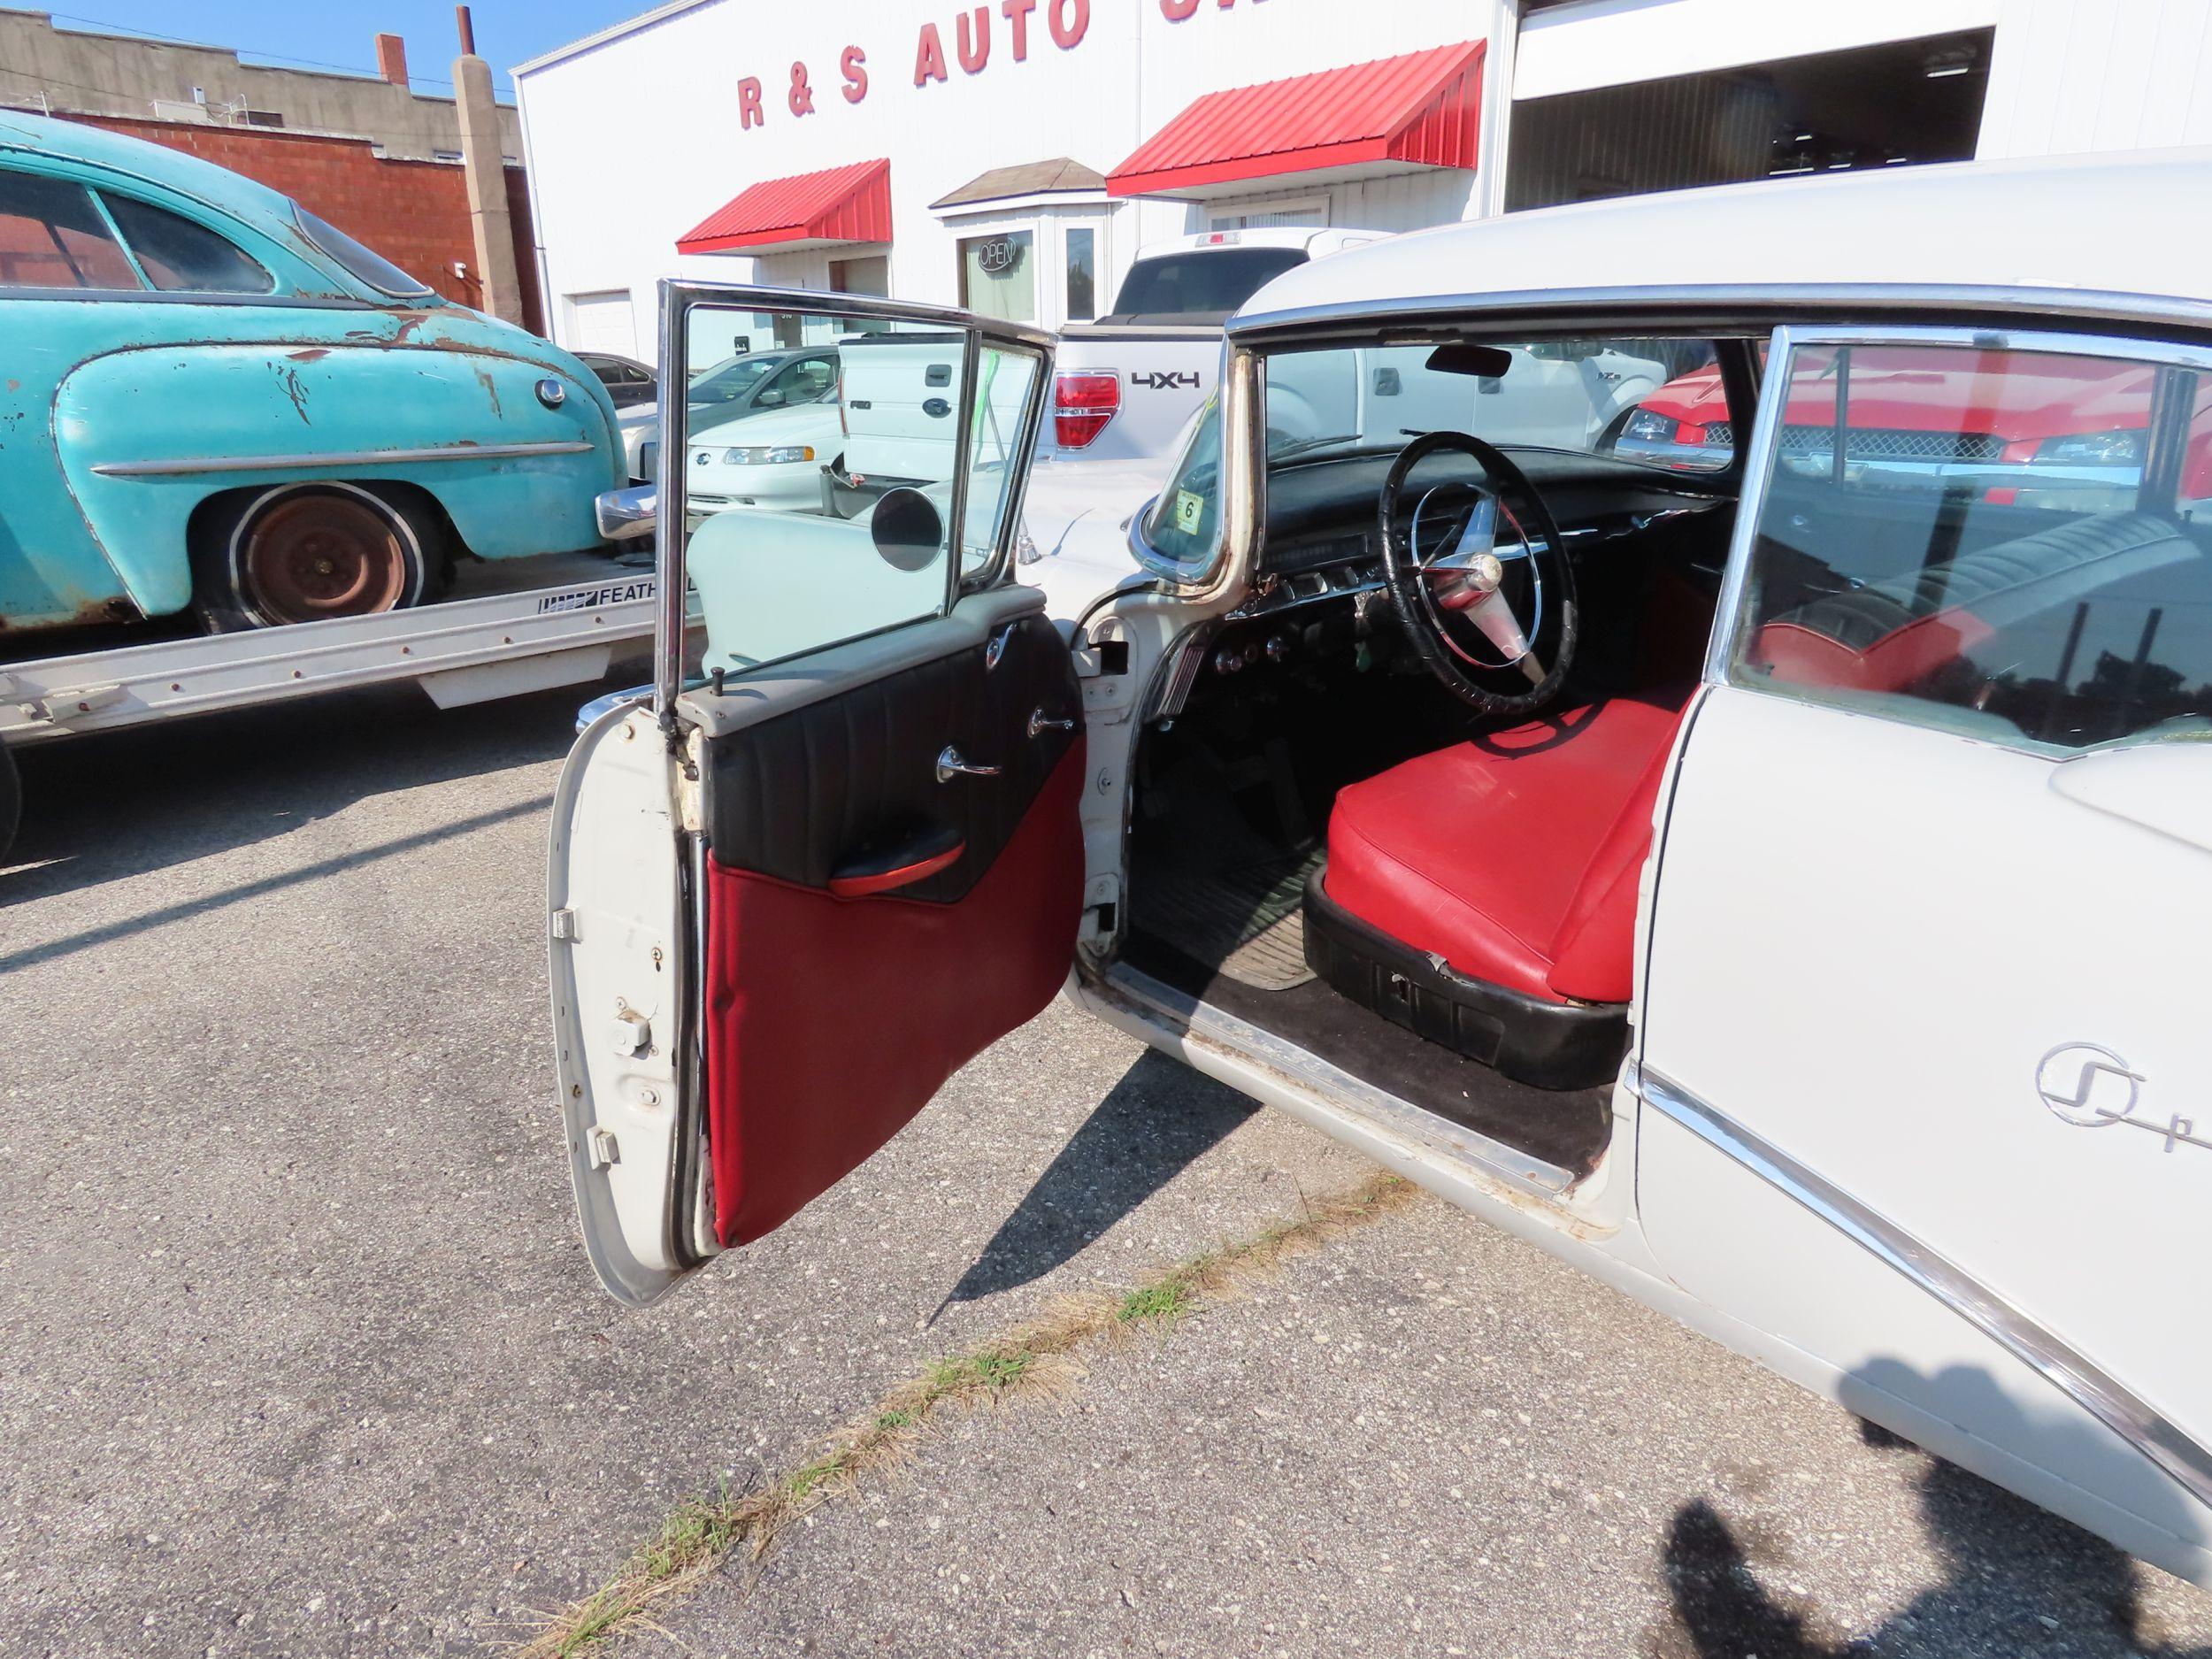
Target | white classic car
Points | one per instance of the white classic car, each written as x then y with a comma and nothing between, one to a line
1778,889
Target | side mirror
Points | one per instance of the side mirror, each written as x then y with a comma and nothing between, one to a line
770,398
908,530
624,514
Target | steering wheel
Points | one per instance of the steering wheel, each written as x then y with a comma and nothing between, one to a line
1452,549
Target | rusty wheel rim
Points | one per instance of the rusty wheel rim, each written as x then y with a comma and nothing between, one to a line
320,554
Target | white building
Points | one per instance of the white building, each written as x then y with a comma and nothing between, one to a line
1014,156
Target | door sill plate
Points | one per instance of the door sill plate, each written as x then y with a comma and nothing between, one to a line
1202,1022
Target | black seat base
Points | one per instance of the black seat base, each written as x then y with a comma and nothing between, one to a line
1546,1045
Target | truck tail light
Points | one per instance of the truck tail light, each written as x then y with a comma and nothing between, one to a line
841,426
1083,401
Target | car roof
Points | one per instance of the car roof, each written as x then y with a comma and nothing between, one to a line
155,164
2110,225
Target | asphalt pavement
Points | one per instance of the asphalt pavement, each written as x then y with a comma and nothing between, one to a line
299,1353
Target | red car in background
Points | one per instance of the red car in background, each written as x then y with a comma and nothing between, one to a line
2074,431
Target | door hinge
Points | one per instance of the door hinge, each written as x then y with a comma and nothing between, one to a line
564,926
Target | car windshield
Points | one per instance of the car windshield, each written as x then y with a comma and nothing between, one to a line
1652,400
1657,402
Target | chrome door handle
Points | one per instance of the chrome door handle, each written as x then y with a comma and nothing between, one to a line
949,765
1039,722
996,649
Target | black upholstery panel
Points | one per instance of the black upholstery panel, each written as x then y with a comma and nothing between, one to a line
853,775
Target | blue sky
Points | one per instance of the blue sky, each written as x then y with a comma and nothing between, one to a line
342,36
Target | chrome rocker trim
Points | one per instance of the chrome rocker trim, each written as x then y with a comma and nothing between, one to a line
2090,1388
345,458
1201,1020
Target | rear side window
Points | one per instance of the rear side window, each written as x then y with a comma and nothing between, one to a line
365,263
1203,282
52,236
178,256
2009,543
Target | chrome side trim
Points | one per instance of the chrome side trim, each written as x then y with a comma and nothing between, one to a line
2072,1373
198,464
1316,1075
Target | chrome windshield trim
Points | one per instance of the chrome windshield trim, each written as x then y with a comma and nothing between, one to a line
1758,473
2092,1389
198,464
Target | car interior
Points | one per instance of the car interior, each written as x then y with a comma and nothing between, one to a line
1396,806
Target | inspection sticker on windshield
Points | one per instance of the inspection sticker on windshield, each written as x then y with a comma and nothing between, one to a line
1189,508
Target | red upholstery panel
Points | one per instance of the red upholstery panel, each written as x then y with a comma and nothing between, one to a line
1594,952
830,1022
1807,657
1494,853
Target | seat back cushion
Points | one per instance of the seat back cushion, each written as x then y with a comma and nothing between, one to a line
1890,635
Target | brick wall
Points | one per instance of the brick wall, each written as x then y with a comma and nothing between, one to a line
415,213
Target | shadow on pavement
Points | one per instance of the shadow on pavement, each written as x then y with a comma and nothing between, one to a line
2015,1575
116,804
1158,1120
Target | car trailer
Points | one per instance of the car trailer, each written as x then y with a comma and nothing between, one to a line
572,617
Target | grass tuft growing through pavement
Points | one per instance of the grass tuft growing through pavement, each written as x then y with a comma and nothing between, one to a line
1036,1360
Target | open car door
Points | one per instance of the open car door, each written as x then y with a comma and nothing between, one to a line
838,852
1928,1094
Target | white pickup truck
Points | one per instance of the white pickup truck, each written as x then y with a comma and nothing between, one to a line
1123,386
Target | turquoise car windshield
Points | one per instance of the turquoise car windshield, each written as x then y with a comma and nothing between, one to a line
364,263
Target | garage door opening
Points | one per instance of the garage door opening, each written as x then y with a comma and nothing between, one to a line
1871,106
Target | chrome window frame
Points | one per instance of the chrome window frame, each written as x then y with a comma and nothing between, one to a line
1731,615
995,570
678,298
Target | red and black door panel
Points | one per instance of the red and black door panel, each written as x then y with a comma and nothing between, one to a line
894,878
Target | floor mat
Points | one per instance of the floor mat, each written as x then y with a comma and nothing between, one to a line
1243,915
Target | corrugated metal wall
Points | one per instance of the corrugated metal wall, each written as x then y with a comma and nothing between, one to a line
2068,77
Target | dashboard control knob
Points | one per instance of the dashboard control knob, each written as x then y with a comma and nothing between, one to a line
1227,660
1279,648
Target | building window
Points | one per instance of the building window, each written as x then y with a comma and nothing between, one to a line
998,275
1082,255
869,275
1869,106
1304,209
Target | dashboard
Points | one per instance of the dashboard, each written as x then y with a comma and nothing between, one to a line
1320,587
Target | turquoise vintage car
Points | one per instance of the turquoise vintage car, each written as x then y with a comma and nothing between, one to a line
209,400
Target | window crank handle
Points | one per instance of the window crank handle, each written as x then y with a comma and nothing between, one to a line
950,766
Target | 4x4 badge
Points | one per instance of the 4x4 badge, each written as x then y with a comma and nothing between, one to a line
2080,1083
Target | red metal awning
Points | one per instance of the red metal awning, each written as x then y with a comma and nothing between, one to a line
809,210
1423,109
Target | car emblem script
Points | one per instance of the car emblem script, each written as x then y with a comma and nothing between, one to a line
2086,1085
2091,1087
